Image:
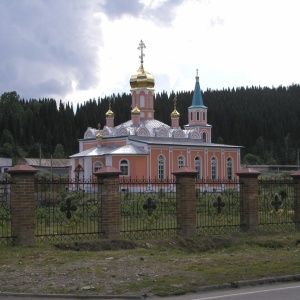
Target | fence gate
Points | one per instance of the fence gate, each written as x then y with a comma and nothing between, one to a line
218,206
66,210
5,211
276,200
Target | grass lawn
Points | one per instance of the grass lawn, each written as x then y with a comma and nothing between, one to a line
169,266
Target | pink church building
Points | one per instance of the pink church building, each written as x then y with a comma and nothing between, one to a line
144,147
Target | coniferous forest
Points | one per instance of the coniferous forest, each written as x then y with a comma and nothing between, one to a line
265,121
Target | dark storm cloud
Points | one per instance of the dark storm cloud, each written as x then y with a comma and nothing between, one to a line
47,44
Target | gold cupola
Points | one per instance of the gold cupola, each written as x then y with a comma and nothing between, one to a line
99,135
142,79
109,113
175,113
135,111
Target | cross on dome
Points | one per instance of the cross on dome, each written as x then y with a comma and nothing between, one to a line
141,47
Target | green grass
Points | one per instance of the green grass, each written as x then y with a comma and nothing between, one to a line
170,266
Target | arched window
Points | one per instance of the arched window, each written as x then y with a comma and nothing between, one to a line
124,167
204,137
204,116
161,167
142,101
97,166
197,164
180,161
214,168
198,115
229,168
191,116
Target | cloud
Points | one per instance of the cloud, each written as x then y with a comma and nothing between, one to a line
47,42
118,8
161,12
216,21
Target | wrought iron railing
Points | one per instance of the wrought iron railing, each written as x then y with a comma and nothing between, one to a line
148,208
218,206
5,210
276,200
66,210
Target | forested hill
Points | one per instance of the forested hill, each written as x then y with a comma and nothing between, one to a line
265,121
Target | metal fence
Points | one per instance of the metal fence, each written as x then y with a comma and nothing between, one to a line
218,206
66,210
5,211
276,201
71,210
148,208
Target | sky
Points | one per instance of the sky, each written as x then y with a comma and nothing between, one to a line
76,50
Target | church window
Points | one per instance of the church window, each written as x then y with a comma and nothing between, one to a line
191,116
229,168
142,101
197,164
204,116
204,137
214,168
149,101
124,167
180,161
97,166
198,115
161,167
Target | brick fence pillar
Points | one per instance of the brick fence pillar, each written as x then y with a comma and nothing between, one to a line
22,204
296,178
186,201
109,198
249,198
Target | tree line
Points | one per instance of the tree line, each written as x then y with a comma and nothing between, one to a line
265,121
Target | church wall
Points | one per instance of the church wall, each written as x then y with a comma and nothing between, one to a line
154,153
137,165
89,144
175,153
203,161
112,141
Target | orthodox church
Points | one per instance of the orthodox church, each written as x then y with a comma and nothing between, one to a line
144,147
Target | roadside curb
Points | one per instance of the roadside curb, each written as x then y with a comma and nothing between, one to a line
237,284
68,296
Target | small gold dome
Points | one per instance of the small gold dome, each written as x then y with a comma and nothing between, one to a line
142,79
99,135
135,111
109,114
175,114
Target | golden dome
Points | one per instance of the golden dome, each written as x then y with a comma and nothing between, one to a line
175,114
109,114
141,79
135,111
99,135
